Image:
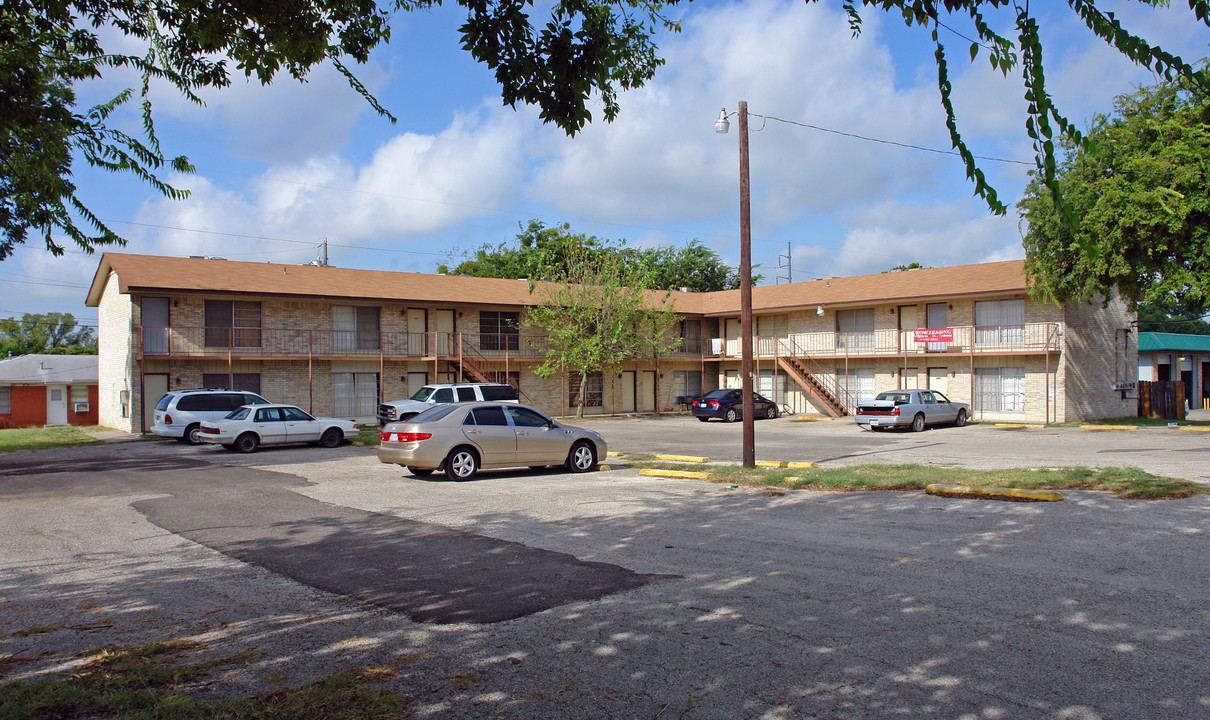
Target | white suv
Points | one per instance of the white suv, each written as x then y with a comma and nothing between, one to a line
180,413
431,395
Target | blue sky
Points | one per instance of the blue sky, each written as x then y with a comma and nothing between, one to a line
280,169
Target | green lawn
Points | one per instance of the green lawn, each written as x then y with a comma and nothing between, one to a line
1127,483
37,438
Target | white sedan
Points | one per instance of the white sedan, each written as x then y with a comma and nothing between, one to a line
248,427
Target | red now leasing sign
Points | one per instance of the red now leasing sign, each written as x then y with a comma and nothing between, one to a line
935,335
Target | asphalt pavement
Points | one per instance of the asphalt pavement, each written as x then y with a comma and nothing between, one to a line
710,602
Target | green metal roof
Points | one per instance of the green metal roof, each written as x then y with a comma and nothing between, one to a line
1153,341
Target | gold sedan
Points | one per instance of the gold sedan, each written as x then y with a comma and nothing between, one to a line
462,438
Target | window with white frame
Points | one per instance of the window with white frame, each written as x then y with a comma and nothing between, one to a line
1000,322
855,328
1000,389
355,327
774,385
499,330
686,383
354,394
857,384
594,390
6,400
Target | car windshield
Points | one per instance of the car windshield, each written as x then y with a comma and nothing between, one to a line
423,393
238,413
436,413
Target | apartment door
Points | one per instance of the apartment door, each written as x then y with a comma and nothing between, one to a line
155,325
418,325
416,380
155,386
646,393
910,378
909,320
56,404
627,388
939,380
731,330
445,332
936,318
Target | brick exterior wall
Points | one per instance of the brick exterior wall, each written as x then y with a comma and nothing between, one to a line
1100,347
1085,366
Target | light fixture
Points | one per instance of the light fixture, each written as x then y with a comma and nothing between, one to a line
722,125
819,310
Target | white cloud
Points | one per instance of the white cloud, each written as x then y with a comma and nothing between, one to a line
412,186
887,233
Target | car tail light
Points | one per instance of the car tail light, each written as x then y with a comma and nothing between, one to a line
895,411
209,429
714,405
405,437
167,419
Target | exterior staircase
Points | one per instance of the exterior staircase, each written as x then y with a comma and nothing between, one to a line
796,368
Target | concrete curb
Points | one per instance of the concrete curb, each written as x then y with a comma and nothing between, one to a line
992,493
683,474
683,458
810,418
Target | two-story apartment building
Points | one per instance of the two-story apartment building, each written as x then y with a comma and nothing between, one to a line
337,341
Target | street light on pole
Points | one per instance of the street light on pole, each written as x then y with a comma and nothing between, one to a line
721,126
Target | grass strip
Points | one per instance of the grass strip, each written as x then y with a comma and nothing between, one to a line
1128,483
40,438
148,682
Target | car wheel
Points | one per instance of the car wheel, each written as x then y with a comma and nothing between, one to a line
918,422
731,415
703,419
581,458
961,419
771,413
420,472
193,434
246,443
331,438
461,464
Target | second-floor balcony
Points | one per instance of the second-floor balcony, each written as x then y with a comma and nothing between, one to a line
979,339
268,342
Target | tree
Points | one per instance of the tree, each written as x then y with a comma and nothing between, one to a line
901,268
1139,190
585,48
1153,318
48,47
543,252
596,314
53,333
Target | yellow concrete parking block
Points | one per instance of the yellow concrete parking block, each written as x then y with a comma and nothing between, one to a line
615,454
1017,426
772,463
802,465
1199,428
1109,427
683,458
602,468
992,493
809,418
684,474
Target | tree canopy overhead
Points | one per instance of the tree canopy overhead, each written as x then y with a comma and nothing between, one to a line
1140,187
543,252
579,51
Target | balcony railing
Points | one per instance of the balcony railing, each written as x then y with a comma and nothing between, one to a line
981,339
302,343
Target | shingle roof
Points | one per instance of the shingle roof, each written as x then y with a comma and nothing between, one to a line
1154,341
49,370
150,273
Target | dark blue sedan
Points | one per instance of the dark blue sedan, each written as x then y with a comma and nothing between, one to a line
727,404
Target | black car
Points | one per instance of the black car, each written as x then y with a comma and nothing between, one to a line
728,405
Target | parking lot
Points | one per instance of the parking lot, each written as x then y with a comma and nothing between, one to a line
637,597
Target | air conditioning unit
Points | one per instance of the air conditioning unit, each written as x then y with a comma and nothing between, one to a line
80,407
